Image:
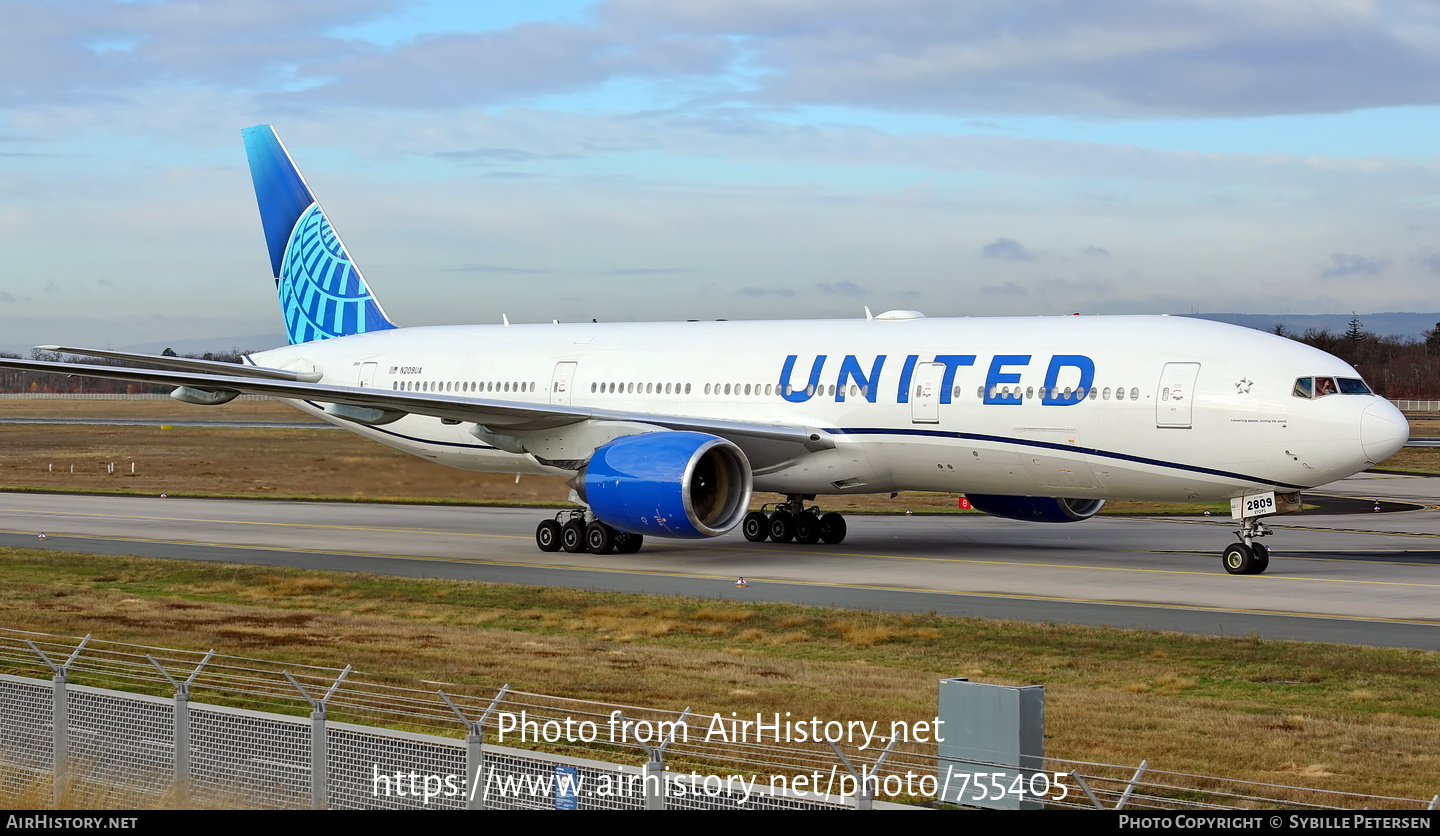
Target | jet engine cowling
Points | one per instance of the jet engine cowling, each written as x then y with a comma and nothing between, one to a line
1036,508
668,484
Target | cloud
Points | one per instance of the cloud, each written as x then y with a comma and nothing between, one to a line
489,268
1430,260
501,155
1006,289
1097,252
1342,265
1120,58
1064,286
649,271
529,59
766,291
1007,248
5,297
845,288
1124,57
90,50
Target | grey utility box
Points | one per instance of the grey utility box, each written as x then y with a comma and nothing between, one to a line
993,752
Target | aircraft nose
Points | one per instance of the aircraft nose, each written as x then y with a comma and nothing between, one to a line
1383,431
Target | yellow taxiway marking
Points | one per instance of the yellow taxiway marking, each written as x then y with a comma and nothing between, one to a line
1106,568
787,581
1316,529
957,560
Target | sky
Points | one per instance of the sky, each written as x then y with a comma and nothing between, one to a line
742,159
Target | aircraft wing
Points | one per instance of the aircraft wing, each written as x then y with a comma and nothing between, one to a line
770,443
187,363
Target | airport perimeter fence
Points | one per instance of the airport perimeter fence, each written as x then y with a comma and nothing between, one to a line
97,724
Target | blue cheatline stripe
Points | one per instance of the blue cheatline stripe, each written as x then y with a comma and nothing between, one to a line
1069,448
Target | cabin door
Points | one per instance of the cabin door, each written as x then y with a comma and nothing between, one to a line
561,383
1175,399
925,393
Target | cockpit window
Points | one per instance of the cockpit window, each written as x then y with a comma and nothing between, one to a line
1319,387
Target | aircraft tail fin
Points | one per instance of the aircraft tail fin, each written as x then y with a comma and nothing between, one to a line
322,293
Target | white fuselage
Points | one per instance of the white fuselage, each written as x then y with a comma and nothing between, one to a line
911,404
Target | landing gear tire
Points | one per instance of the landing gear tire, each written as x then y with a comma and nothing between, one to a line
572,536
547,536
599,538
756,526
832,528
782,526
807,529
1262,558
1239,559
627,542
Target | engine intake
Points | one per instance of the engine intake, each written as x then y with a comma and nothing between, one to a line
1036,508
668,484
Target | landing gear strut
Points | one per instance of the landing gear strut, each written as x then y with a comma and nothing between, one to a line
579,534
1248,557
791,520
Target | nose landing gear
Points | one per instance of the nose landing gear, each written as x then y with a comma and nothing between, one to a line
1248,557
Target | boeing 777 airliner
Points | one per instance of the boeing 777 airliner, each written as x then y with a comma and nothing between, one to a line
666,428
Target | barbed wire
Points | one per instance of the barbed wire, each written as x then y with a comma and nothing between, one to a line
366,698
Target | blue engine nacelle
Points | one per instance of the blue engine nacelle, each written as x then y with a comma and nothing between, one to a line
668,484
1036,508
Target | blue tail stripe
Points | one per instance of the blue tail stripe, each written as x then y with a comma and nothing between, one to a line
279,188
322,292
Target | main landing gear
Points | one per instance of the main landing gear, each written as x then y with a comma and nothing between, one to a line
791,520
1248,557
576,534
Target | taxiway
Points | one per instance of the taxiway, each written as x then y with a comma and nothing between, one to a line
1355,578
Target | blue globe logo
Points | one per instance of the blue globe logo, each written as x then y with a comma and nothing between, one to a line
322,293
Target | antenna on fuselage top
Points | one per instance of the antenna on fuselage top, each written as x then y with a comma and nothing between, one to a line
868,315
505,320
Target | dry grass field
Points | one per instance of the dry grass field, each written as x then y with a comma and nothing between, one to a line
217,461
1343,718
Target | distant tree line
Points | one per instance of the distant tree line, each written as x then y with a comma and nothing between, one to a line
12,380
1396,367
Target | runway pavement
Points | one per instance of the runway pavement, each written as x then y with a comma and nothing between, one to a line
1362,579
